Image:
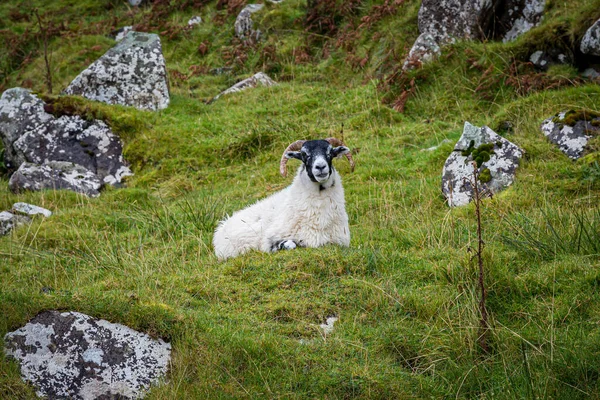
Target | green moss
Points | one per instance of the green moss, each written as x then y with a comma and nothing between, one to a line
485,175
573,116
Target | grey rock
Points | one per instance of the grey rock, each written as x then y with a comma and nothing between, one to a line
257,79
72,355
590,43
541,60
20,111
244,26
221,71
449,19
570,139
9,221
194,21
520,16
424,50
457,175
120,34
70,138
55,175
132,73
30,210
135,3
591,73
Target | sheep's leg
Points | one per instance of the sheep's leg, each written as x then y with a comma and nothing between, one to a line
286,244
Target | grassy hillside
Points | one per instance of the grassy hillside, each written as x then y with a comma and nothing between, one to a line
405,291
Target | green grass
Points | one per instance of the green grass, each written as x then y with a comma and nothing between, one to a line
405,290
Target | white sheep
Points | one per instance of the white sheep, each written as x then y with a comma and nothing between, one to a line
308,213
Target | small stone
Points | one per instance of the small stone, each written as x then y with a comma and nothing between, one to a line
257,79
424,50
9,221
571,138
72,355
30,210
120,34
194,21
591,73
244,25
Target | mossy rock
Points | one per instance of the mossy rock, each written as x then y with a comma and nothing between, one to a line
571,117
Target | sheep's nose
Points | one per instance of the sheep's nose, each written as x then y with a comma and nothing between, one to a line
320,167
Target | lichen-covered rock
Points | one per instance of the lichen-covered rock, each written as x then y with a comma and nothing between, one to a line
30,210
20,111
519,17
447,19
120,34
132,73
70,138
55,175
9,221
541,60
424,49
194,21
457,175
257,79
244,26
590,43
570,131
72,355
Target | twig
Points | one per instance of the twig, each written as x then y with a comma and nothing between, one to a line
483,323
44,32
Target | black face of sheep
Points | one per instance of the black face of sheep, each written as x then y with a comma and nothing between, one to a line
317,157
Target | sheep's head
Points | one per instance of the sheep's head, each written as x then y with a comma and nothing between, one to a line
317,157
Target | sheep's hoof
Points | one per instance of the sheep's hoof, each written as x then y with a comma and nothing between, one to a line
284,245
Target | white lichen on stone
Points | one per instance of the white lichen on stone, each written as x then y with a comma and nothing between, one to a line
570,139
530,17
590,43
194,21
257,79
133,73
30,209
72,355
244,26
328,325
457,174
424,50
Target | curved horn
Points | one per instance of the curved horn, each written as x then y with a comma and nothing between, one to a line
337,142
297,145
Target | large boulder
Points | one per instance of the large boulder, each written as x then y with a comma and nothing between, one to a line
590,43
132,73
449,19
72,355
258,79
244,26
20,111
571,130
518,17
55,175
497,173
70,138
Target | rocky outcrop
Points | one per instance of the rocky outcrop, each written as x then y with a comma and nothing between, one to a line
72,355
442,22
20,111
132,73
258,79
70,138
497,159
571,130
518,17
244,26
33,137
55,175
590,43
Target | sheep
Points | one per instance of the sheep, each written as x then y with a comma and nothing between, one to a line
308,213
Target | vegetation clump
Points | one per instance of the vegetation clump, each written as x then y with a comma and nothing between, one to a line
571,117
485,175
480,154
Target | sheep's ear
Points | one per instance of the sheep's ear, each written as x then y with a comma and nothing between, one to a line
293,154
339,151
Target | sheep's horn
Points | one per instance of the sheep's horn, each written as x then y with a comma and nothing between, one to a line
297,145
337,142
